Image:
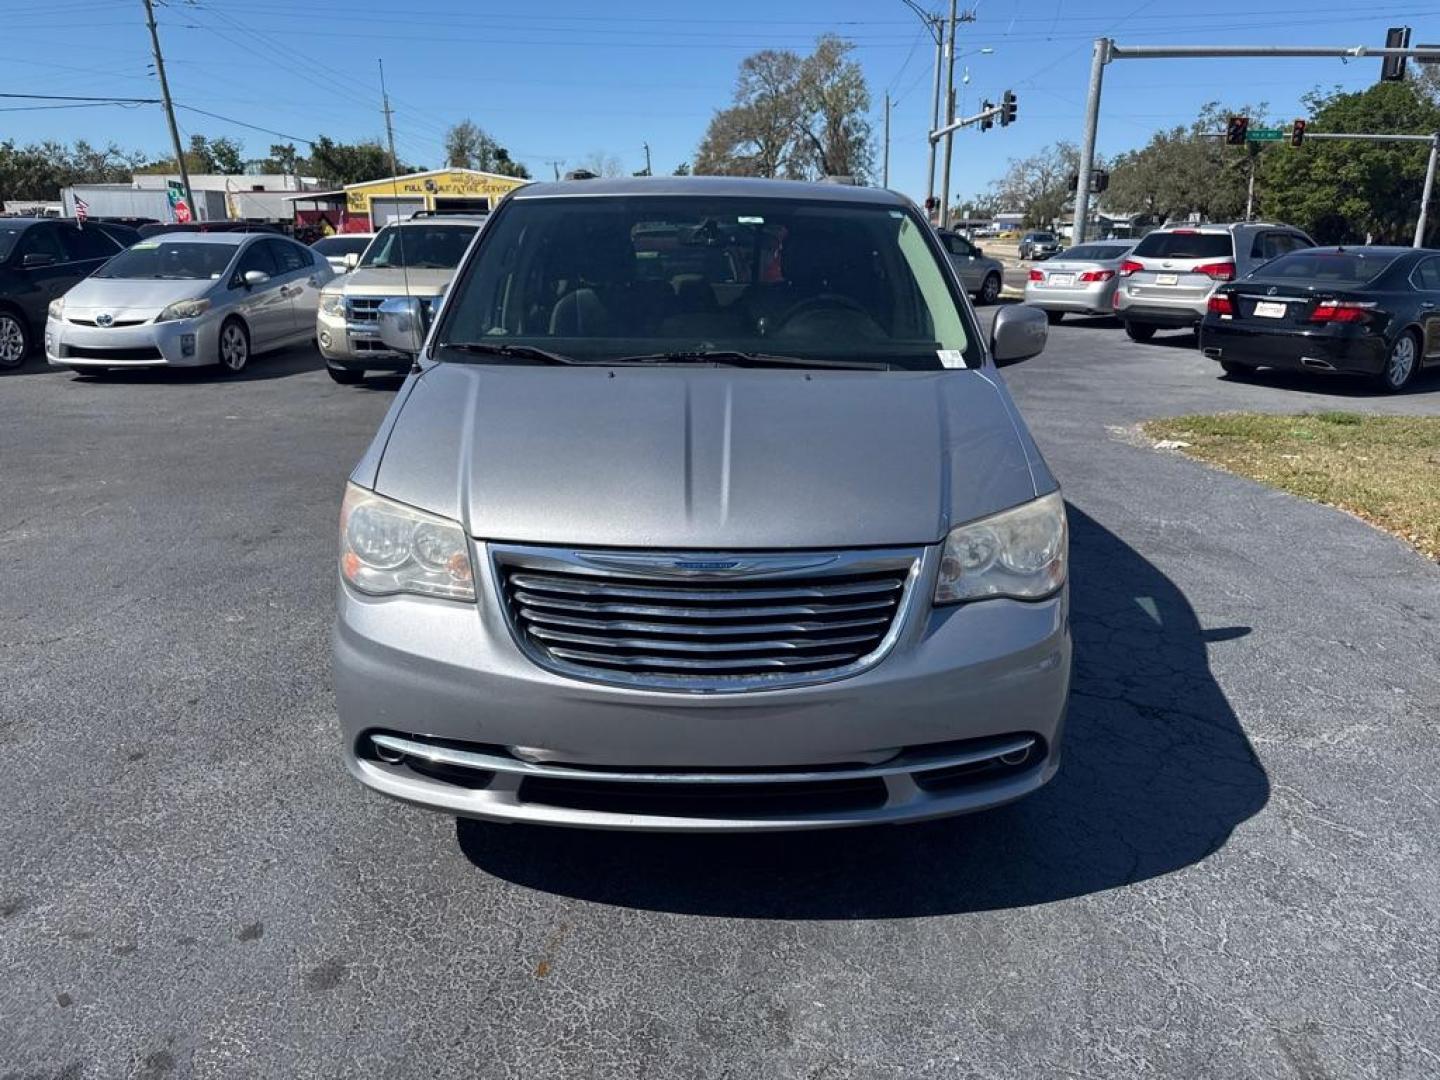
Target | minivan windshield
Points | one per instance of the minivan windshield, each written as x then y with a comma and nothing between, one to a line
420,247
175,260
685,277
1184,244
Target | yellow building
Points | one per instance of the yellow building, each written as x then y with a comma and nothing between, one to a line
379,202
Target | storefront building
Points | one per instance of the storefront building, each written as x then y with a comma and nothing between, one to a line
372,205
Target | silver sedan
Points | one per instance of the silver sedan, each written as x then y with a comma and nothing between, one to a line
186,299
1080,280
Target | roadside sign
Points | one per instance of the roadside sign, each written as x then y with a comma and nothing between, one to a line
1264,135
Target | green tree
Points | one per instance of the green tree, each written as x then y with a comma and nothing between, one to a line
683,169
1345,191
793,116
40,170
1039,185
1184,170
469,146
227,156
351,163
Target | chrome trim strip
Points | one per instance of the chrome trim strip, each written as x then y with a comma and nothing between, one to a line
844,562
473,759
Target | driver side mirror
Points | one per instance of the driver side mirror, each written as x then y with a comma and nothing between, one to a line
402,324
1019,332
978,250
351,260
38,258
253,278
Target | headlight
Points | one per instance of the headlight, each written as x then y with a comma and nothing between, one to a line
332,303
57,308
387,547
184,309
1019,553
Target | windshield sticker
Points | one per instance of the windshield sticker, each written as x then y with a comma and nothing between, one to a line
951,358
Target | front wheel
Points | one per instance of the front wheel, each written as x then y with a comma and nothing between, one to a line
1054,317
1234,370
14,340
344,376
234,347
1139,331
1401,364
990,289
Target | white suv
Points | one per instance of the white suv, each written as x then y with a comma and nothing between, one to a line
1167,280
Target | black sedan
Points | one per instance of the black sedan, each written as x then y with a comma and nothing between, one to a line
1371,311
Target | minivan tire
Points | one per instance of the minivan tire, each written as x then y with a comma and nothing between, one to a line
1139,331
990,289
14,339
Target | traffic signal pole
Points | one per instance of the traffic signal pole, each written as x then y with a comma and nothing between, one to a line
1107,51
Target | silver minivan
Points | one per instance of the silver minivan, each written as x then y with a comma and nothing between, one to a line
703,509
1166,282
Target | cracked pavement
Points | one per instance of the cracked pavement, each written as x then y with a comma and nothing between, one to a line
1235,873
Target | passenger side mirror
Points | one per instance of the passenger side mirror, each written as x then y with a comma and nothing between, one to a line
38,258
253,278
402,324
352,260
1019,333
978,251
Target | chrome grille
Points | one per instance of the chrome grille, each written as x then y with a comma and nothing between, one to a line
363,309
743,622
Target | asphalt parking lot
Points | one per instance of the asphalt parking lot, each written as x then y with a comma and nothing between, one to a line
1236,873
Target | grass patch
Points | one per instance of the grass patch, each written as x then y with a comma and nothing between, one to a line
1385,469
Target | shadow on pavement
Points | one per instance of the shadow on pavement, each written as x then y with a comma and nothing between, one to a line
1343,386
296,360
1157,772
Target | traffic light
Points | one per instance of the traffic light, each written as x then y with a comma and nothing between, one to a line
1007,108
932,204
1099,181
1392,68
988,122
1074,182
1297,133
1236,130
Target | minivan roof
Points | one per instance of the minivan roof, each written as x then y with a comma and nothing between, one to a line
702,186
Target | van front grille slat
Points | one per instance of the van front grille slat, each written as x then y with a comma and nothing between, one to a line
755,624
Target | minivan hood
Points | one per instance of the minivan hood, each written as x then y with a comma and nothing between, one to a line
131,298
706,458
387,282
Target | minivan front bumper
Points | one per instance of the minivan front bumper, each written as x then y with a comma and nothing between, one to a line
441,708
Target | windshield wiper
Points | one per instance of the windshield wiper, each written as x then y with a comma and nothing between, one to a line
741,358
506,348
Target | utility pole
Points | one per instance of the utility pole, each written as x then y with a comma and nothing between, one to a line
170,112
555,166
955,17
1425,195
647,159
949,114
389,126
885,172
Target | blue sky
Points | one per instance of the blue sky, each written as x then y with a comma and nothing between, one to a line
558,79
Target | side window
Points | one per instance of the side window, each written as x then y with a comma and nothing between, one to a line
43,240
960,246
1257,248
87,244
1298,242
256,257
1427,275
288,257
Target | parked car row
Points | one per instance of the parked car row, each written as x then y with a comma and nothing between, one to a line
1259,295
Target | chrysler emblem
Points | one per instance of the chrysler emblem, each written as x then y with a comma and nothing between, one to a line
1270,291
689,564
105,320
